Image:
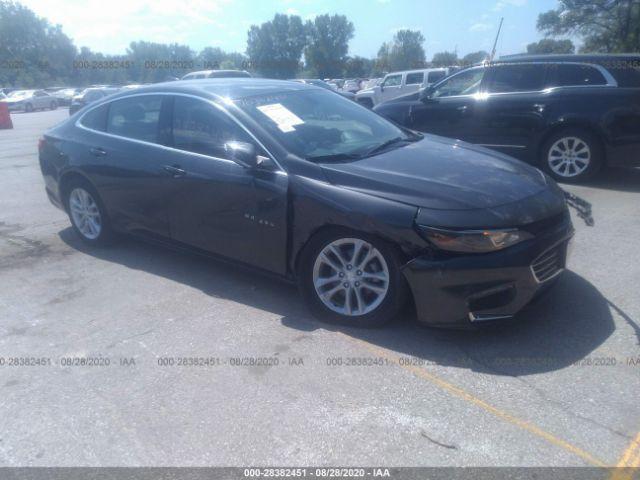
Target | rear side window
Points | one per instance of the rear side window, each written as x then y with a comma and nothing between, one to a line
415,78
198,127
135,117
517,78
577,75
96,119
433,77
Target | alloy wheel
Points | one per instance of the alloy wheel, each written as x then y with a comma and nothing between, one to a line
351,277
569,157
85,213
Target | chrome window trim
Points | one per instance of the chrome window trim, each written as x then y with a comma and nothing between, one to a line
611,81
450,77
490,145
173,149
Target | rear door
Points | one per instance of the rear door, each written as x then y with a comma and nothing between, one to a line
514,109
413,82
125,159
449,108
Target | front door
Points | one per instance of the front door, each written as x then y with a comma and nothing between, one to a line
216,204
449,109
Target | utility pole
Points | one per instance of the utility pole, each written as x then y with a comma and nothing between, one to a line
495,44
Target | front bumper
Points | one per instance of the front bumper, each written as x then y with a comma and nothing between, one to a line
462,290
15,107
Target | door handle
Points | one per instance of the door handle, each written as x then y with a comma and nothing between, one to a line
98,152
175,171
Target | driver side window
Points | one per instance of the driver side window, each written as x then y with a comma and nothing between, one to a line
199,128
465,83
392,81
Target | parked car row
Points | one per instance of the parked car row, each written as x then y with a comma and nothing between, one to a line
29,100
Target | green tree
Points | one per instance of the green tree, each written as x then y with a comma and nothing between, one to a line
383,63
328,44
605,25
275,47
157,62
474,57
549,45
444,59
33,53
214,58
403,53
358,67
406,50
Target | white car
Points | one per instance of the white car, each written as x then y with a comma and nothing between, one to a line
30,100
396,84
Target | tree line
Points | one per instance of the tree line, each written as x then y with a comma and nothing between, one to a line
34,53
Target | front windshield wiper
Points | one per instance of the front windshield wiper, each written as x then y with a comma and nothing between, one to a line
336,157
384,145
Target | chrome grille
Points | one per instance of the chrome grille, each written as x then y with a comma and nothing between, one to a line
549,264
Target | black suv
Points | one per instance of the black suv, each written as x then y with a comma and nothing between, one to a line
569,114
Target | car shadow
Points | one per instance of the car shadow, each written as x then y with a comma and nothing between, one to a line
557,330
620,179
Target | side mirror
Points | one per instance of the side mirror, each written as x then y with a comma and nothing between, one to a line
242,153
382,87
427,95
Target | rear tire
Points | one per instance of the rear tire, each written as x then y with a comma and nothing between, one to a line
351,278
87,214
572,155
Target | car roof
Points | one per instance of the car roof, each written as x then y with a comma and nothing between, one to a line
588,58
231,88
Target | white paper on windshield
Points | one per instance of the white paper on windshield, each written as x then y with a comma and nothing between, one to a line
284,118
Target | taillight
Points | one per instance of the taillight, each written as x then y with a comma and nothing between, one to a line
41,142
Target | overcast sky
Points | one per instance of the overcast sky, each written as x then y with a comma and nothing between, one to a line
109,26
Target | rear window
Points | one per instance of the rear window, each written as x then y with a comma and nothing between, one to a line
136,117
576,76
96,119
415,78
517,78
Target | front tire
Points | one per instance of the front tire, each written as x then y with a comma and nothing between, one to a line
352,279
87,214
572,155
28,108
53,105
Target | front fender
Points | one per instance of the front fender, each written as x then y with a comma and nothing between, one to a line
317,204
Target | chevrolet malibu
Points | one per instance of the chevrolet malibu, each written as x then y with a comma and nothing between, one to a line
303,184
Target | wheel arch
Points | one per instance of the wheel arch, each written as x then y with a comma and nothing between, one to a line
66,180
572,124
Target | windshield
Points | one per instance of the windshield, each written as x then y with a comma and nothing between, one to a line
21,93
318,125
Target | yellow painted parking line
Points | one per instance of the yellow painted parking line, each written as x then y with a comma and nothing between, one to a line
460,393
629,461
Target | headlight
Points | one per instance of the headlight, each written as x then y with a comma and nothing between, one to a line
473,241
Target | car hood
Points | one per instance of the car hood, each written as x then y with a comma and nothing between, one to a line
366,91
13,100
439,173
